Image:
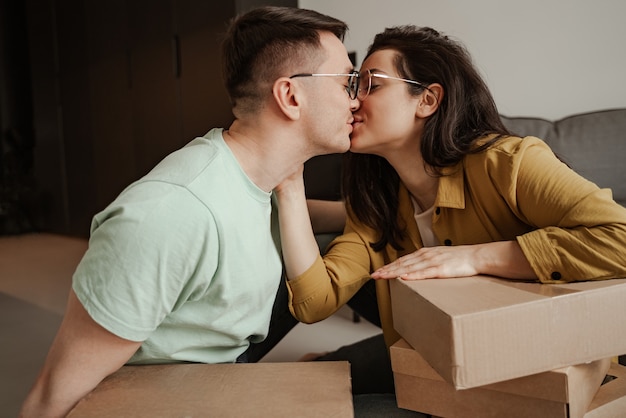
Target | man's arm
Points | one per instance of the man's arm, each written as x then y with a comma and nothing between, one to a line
82,354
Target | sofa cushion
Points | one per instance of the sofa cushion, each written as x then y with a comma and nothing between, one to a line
593,144
523,126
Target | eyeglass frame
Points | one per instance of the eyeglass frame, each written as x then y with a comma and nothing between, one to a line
353,81
387,77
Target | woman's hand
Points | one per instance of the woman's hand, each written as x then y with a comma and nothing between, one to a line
502,259
293,184
432,263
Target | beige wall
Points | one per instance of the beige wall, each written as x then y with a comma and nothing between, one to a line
547,58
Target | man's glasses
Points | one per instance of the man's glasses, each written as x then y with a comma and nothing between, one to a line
352,87
365,83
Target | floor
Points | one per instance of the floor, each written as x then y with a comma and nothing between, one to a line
35,276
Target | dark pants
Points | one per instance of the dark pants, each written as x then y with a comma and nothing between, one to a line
369,359
281,323
381,405
370,366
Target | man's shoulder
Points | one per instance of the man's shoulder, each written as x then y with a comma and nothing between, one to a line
187,163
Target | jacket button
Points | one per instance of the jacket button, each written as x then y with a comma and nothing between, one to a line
448,242
556,275
438,211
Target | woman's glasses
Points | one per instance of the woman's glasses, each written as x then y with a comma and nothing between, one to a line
365,83
352,87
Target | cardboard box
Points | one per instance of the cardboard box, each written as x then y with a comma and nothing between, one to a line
479,330
304,389
610,401
562,393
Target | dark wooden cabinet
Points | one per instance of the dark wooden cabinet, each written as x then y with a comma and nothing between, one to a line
117,85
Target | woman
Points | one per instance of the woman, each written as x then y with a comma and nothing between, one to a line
436,187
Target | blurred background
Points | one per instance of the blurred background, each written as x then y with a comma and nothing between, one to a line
93,93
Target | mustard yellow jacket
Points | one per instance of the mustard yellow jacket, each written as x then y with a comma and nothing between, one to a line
568,228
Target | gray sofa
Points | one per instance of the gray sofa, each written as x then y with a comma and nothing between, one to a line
593,144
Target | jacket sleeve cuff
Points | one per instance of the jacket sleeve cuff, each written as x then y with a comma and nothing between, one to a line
540,252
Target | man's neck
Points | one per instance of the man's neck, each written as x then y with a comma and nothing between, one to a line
264,155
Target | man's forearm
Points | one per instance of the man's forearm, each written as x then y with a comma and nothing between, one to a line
82,354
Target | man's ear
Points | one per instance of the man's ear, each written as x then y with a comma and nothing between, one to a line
431,98
286,95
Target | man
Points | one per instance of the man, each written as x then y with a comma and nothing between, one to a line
184,265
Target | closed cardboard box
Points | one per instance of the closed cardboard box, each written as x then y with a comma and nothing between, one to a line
479,330
306,389
562,393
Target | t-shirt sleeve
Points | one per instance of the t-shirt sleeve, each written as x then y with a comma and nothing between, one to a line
142,258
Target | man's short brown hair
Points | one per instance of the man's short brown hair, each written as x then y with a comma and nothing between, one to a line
268,42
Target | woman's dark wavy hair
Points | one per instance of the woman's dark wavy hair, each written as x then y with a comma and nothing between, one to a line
466,113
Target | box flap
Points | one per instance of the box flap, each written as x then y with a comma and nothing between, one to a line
580,382
610,401
565,392
304,389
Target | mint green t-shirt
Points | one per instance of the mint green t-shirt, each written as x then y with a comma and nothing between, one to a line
186,259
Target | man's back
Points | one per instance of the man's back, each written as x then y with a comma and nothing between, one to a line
175,278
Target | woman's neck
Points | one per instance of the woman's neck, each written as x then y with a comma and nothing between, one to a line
421,185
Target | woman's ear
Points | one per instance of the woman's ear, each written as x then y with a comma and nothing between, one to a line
431,98
286,95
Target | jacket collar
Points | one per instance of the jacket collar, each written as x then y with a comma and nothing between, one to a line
451,192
